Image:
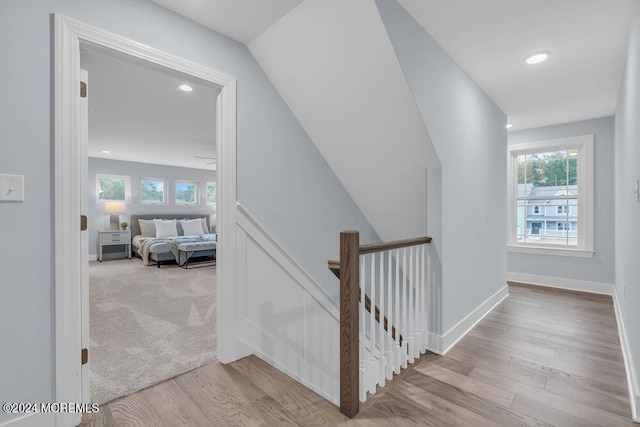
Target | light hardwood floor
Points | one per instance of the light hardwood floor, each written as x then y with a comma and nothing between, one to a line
542,357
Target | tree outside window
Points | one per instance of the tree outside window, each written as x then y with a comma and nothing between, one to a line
186,192
152,191
112,188
212,193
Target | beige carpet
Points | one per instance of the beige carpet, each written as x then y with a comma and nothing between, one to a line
147,324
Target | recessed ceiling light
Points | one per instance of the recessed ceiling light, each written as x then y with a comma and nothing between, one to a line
537,58
185,88
509,125
106,152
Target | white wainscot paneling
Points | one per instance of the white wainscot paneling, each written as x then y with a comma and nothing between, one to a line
275,301
283,316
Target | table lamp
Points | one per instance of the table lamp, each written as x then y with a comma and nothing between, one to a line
114,208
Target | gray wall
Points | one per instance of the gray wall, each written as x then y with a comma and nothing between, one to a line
468,131
98,220
600,267
627,209
283,180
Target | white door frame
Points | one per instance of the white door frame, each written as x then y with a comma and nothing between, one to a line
69,187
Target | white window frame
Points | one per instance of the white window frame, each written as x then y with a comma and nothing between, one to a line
534,210
564,208
584,145
127,187
197,196
206,190
164,191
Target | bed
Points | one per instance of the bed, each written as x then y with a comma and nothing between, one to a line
182,248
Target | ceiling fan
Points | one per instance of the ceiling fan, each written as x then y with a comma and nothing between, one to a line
206,158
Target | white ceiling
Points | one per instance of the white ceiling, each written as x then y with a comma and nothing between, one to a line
490,39
137,112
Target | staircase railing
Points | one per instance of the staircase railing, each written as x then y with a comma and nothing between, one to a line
391,279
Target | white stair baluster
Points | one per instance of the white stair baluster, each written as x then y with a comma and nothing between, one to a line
383,313
363,364
405,296
416,315
390,361
397,353
410,314
373,359
423,299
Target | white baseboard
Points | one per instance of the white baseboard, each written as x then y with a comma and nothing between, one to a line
40,419
442,344
632,380
560,283
93,257
290,363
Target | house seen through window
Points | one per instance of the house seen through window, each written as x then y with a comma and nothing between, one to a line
550,194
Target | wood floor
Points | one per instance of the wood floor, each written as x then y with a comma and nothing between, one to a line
542,357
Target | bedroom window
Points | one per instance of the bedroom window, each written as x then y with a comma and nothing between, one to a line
112,188
152,191
558,172
212,193
186,193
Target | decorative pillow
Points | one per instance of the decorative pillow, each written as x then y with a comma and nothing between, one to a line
166,228
192,227
147,228
204,225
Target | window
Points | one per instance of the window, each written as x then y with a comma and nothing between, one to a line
560,173
152,191
112,188
186,193
212,194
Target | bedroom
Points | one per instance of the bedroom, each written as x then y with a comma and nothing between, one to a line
151,155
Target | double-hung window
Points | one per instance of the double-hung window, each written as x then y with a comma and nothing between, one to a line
552,180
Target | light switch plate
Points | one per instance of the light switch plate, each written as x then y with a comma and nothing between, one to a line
12,188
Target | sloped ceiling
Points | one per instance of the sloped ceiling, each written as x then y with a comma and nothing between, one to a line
341,78
241,20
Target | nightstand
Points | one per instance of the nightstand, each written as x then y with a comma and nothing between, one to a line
114,237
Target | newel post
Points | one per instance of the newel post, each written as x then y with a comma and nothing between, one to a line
349,322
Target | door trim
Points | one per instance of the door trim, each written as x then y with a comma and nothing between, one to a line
68,158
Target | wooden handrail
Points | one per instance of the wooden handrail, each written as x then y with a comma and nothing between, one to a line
334,266
385,246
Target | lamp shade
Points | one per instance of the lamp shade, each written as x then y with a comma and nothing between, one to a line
114,207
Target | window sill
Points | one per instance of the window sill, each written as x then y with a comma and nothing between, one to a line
538,250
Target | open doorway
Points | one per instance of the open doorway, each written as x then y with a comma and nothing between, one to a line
151,149
71,235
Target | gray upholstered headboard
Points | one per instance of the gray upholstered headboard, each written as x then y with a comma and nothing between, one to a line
135,226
